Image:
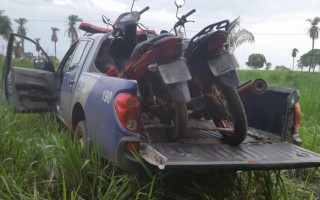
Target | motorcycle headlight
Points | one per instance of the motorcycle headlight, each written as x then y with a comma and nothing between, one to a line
127,18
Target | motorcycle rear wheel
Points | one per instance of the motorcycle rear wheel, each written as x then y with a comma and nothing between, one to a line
177,117
170,112
226,110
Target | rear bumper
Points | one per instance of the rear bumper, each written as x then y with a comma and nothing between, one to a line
124,160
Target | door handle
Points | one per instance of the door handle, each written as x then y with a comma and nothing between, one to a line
71,82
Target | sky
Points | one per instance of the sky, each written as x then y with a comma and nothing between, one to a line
278,26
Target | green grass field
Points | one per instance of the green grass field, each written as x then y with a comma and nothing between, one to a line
40,161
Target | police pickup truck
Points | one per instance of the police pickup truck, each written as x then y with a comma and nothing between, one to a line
92,102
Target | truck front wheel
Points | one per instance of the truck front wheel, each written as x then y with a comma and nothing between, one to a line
81,136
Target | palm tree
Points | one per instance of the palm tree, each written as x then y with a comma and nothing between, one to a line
5,25
238,36
72,31
313,33
294,54
54,38
21,29
38,45
17,49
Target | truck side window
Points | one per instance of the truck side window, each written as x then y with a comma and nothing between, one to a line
103,61
79,55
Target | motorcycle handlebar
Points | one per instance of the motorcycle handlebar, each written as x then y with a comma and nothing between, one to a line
144,10
183,19
190,13
117,33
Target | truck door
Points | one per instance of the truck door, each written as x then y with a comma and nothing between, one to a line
28,80
71,72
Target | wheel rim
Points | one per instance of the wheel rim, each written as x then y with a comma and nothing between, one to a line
222,116
169,112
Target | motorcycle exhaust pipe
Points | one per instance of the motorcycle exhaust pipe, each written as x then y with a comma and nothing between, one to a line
252,89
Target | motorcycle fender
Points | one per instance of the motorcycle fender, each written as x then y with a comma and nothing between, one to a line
175,72
179,91
229,79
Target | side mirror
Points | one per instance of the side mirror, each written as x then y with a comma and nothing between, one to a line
105,19
39,63
179,3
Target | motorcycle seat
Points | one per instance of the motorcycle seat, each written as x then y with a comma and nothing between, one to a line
144,46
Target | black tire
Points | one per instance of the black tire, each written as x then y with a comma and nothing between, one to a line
179,118
81,136
170,112
228,113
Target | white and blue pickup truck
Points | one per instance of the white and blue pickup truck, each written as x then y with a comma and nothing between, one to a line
96,105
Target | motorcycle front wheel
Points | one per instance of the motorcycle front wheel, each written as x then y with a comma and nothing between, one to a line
226,111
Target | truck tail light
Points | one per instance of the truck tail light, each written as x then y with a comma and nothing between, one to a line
127,107
297,124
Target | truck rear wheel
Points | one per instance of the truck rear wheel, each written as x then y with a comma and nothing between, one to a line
81,136
227,111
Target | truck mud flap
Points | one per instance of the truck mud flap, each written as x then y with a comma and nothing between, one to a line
224,157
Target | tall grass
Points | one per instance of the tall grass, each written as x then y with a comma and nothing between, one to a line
39,161
26,63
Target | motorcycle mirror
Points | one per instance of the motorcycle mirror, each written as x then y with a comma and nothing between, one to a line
105,20
179,3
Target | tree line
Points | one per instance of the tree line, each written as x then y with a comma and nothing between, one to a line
310,59
237,35
6,29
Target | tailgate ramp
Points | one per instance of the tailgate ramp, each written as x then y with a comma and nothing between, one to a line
262,156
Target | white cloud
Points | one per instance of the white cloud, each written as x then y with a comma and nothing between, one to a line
110,5
63,2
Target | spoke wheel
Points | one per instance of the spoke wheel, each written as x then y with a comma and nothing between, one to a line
177,117
170,112
227,111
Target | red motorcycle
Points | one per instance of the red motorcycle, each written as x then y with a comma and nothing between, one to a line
214,79
159,69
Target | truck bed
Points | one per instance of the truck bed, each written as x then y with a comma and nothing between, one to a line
270,120
206,149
